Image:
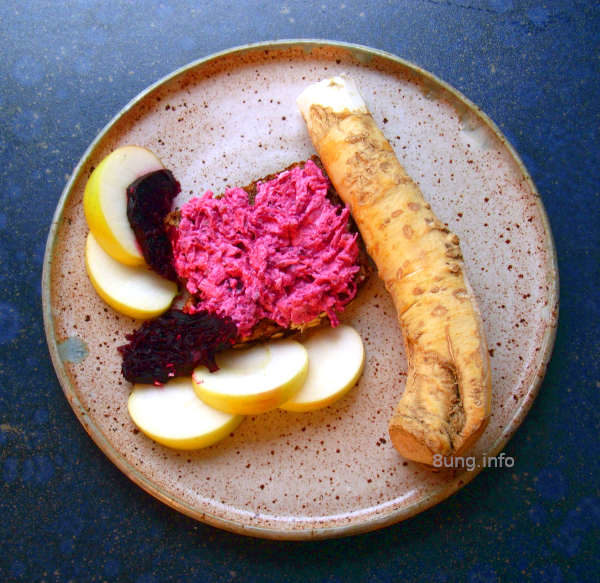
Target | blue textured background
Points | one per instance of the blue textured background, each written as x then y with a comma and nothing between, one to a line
67,514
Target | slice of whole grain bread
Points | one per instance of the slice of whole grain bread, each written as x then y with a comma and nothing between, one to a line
266,328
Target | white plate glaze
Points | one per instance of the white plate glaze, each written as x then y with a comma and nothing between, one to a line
227,120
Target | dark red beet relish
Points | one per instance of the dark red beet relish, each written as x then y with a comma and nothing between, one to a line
174,344
149,201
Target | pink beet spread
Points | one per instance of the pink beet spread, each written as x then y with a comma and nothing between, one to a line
289,257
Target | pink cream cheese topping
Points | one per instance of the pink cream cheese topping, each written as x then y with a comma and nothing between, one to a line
289,257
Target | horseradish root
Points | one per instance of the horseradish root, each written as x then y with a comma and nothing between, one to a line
447,399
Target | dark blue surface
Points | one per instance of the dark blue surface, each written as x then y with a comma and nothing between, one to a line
67,514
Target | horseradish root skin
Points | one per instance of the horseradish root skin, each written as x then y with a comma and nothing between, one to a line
447,399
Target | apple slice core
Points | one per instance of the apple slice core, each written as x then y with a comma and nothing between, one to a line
336,359
253,380
174,416
134,291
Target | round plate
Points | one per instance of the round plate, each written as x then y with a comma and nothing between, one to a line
227,120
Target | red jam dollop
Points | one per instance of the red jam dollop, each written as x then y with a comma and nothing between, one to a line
288,256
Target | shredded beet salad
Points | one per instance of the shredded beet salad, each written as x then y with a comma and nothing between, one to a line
288,257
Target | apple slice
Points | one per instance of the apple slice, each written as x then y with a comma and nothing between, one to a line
105,200
174,416
253,380
134,291
336,359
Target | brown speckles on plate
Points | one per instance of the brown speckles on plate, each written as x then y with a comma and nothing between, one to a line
227,120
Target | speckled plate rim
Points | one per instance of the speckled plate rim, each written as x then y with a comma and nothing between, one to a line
363,54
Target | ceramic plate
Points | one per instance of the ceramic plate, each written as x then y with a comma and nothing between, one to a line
227,120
